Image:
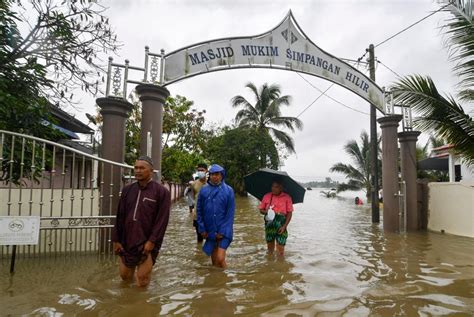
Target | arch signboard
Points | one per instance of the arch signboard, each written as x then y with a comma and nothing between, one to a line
284,47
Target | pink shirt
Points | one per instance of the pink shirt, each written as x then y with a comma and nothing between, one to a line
281,204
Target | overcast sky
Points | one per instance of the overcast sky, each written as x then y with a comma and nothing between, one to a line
342,28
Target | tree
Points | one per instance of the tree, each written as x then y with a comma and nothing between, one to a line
358,175
265,114
39,69
241,158
183,125
178,165
22,108
63,38
183,137
443,114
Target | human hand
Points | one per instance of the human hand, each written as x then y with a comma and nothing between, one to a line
117,247
205,235
219,236
281,230
148,247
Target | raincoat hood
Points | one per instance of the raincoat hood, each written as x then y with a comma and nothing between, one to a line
216,168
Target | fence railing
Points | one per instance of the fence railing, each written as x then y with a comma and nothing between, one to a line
68,189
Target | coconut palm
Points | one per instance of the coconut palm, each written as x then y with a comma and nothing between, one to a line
265,114
358,175
441,114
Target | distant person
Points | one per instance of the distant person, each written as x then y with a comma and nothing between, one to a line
381,195
358,201
215,215
281,204
140,226
196,188
189,195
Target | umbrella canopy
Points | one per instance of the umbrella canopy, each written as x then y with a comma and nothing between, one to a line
260,182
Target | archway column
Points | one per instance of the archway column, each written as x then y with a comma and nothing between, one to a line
114,113
153,98
390,182
407,141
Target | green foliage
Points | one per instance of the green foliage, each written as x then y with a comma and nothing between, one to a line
183,137
56,54
439,114
442,115
358,175
178,165
327,183
459,32
63,40
132,131
183,125
265,114
242,151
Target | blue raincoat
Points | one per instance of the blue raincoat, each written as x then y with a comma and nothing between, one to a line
215,212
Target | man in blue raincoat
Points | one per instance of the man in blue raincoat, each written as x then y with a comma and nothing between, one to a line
215,215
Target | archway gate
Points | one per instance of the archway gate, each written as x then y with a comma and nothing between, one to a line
285,47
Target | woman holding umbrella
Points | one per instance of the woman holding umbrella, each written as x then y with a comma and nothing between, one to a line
277,207
267,185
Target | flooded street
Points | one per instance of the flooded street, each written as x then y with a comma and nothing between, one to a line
337,263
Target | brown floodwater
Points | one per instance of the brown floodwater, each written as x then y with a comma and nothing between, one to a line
337,264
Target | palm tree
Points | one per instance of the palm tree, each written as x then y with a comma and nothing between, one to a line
265,114
358,175
443,114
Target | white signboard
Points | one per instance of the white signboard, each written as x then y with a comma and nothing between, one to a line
284,47
19,230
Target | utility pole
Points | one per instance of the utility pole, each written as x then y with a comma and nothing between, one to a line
374,169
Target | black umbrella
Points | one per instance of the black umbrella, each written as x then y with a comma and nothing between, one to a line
260,182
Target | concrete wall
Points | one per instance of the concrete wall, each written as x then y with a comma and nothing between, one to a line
451,208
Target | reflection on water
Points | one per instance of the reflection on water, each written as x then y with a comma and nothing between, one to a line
336,263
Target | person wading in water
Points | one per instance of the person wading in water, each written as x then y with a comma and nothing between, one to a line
142,217
280,203
215,215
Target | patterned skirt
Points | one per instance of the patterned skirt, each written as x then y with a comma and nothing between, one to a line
271,230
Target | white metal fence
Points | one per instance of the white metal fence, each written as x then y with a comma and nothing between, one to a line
68,189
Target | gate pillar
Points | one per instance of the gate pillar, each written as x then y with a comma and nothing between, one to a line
390,182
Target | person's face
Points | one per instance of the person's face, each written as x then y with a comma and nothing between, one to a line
216,178
143,170
276,189
202,172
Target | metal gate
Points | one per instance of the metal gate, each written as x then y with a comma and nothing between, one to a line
62,185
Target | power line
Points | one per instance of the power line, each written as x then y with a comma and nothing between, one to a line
314,101
412,25
405,29
394,72
354,61
324,93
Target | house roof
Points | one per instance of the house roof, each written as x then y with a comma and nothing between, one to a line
442,150
66,121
